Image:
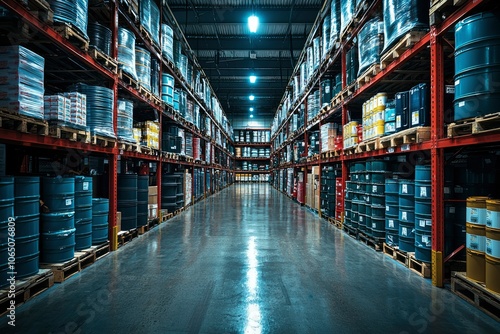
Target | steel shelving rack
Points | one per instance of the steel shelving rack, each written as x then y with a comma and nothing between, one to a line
115,11
432,48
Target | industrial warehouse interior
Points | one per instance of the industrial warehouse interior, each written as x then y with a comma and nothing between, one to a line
255,166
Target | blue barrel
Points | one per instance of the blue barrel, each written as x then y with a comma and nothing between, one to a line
57,221
423,208
477,65
391,187
391,223
3,249
167,89
368,225
378,200
378,178
392,238
27,186
142,200
362,209
378,211
406,236
347,204
423,246
58,193
423,190
127,200
361,225
379,166
378,227
391,209
406,194
407,215
6,198
378,189
423,173
28,225
100,213
423,223
83,212
27,255
58,246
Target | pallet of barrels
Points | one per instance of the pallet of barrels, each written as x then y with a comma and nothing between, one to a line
480,284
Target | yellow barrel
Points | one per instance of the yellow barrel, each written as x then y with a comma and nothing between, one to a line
492,270
238,152
379,130
381,101
476,210
493,213
475,244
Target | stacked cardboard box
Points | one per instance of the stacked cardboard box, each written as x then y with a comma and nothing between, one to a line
328,132
57,108
152,202
78,108
150,132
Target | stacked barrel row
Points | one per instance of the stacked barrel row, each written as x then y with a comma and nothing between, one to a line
483,241
365,198
133,200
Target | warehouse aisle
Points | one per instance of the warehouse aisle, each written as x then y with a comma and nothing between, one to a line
247,260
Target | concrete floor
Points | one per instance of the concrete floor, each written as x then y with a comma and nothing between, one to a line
247,260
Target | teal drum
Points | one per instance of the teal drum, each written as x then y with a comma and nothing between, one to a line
27,255
406,236
58,193
127,200
27,195
100,212
378,227
58,246
477,65
6,198
83,212
423,246
3,252
142,200
57,221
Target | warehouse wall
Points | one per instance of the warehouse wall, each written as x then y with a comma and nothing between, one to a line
256,122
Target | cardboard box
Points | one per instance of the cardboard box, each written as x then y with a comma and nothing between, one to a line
119,221
153,195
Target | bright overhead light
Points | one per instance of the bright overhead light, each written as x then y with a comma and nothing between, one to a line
251,97
251,108
251,116
253,23
253,78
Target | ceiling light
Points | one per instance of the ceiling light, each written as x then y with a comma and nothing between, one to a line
253,23
253,78
251,108
251,116
251,97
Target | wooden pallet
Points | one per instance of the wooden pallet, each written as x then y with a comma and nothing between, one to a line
101,250
374,243
440,8
476,294
368,75
73,35
132,12
369,145
66,132
147,36
484,124
414,135
63,271
127,79
402,257
353,232
102,141
41,9
350,150
104,59
146,228
125,237
406,42
336,222
13,121
178,211
128,146
348,30
389,250
419,267
26,288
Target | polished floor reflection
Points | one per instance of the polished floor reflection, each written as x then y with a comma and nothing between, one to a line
247,260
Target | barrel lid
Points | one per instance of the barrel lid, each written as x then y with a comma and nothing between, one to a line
477,201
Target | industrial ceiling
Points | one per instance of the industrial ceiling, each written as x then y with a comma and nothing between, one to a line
218,33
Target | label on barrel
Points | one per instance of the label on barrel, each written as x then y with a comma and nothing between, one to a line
452,209
421,222
404,231
374,189
425,239
361,219
414,118
488,218
374,225
391,223
404,189
85,186
387,208
69,201
423,192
